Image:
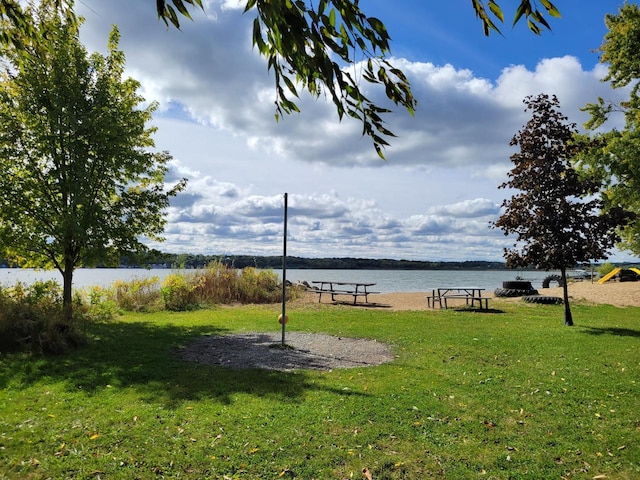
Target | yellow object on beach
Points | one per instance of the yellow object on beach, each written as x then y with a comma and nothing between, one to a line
609,275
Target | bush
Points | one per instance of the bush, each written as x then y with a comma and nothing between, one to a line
221,284
138,295
96,302
605,268
32,320
216,284
178,295
259,286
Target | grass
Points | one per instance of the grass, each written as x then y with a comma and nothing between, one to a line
507,394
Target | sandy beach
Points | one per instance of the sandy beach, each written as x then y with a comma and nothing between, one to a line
620,294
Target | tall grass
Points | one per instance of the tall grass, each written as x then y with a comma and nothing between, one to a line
217,284
31,316
221,284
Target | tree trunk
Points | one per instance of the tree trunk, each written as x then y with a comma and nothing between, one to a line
67,299
568,319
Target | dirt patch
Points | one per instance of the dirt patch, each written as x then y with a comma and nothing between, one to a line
302,351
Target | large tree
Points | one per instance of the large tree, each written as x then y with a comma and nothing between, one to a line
555,217
308,43
616,160
79,183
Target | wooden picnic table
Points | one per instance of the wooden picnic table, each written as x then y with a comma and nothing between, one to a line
471,296
355,289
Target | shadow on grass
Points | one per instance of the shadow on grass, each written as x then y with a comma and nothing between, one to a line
620,332
476,310
143,356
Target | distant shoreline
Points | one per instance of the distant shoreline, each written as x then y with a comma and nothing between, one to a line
159,260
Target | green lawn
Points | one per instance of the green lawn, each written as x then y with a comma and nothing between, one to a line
507,394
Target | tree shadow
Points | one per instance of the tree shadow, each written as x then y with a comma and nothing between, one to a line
620,332
467,309
144,357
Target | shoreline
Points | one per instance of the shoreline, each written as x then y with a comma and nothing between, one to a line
619,294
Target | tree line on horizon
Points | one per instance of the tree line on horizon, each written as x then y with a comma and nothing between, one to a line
158,259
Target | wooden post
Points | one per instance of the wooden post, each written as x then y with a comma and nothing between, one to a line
284,272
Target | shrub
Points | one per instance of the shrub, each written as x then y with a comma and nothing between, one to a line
178,294
259,286
216,284
138,295
221,284
96,302
605,268
32,320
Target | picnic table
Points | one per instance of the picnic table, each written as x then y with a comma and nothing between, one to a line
471,296
355,289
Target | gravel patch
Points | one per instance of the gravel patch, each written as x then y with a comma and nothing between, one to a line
302,351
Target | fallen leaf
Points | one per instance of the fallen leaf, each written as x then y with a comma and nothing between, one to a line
367,474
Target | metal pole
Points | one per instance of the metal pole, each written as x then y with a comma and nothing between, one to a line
284,272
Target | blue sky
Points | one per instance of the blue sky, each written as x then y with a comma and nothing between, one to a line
432,199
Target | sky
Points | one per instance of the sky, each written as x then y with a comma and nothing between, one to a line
435,195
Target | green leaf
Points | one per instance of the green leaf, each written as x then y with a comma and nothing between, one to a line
181,8
533,27
523,9
551,8
495,9
332,18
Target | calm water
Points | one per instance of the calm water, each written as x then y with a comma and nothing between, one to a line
387,281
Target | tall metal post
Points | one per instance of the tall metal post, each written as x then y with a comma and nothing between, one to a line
284,272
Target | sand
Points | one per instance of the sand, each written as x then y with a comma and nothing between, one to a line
620,294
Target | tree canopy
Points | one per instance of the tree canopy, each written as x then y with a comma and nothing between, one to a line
616,160
556,215
308,44
79,183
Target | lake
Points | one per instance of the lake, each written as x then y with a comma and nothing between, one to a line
387,281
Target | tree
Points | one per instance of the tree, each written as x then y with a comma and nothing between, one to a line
556,219
308,43
616,160
78,183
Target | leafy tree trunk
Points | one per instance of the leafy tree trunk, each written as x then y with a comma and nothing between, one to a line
568,319
67,281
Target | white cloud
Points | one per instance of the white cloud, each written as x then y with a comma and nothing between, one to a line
433,198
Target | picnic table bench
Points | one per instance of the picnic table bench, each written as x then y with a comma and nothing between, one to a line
471,296
354,289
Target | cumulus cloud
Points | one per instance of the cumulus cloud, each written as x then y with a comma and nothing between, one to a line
433,198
